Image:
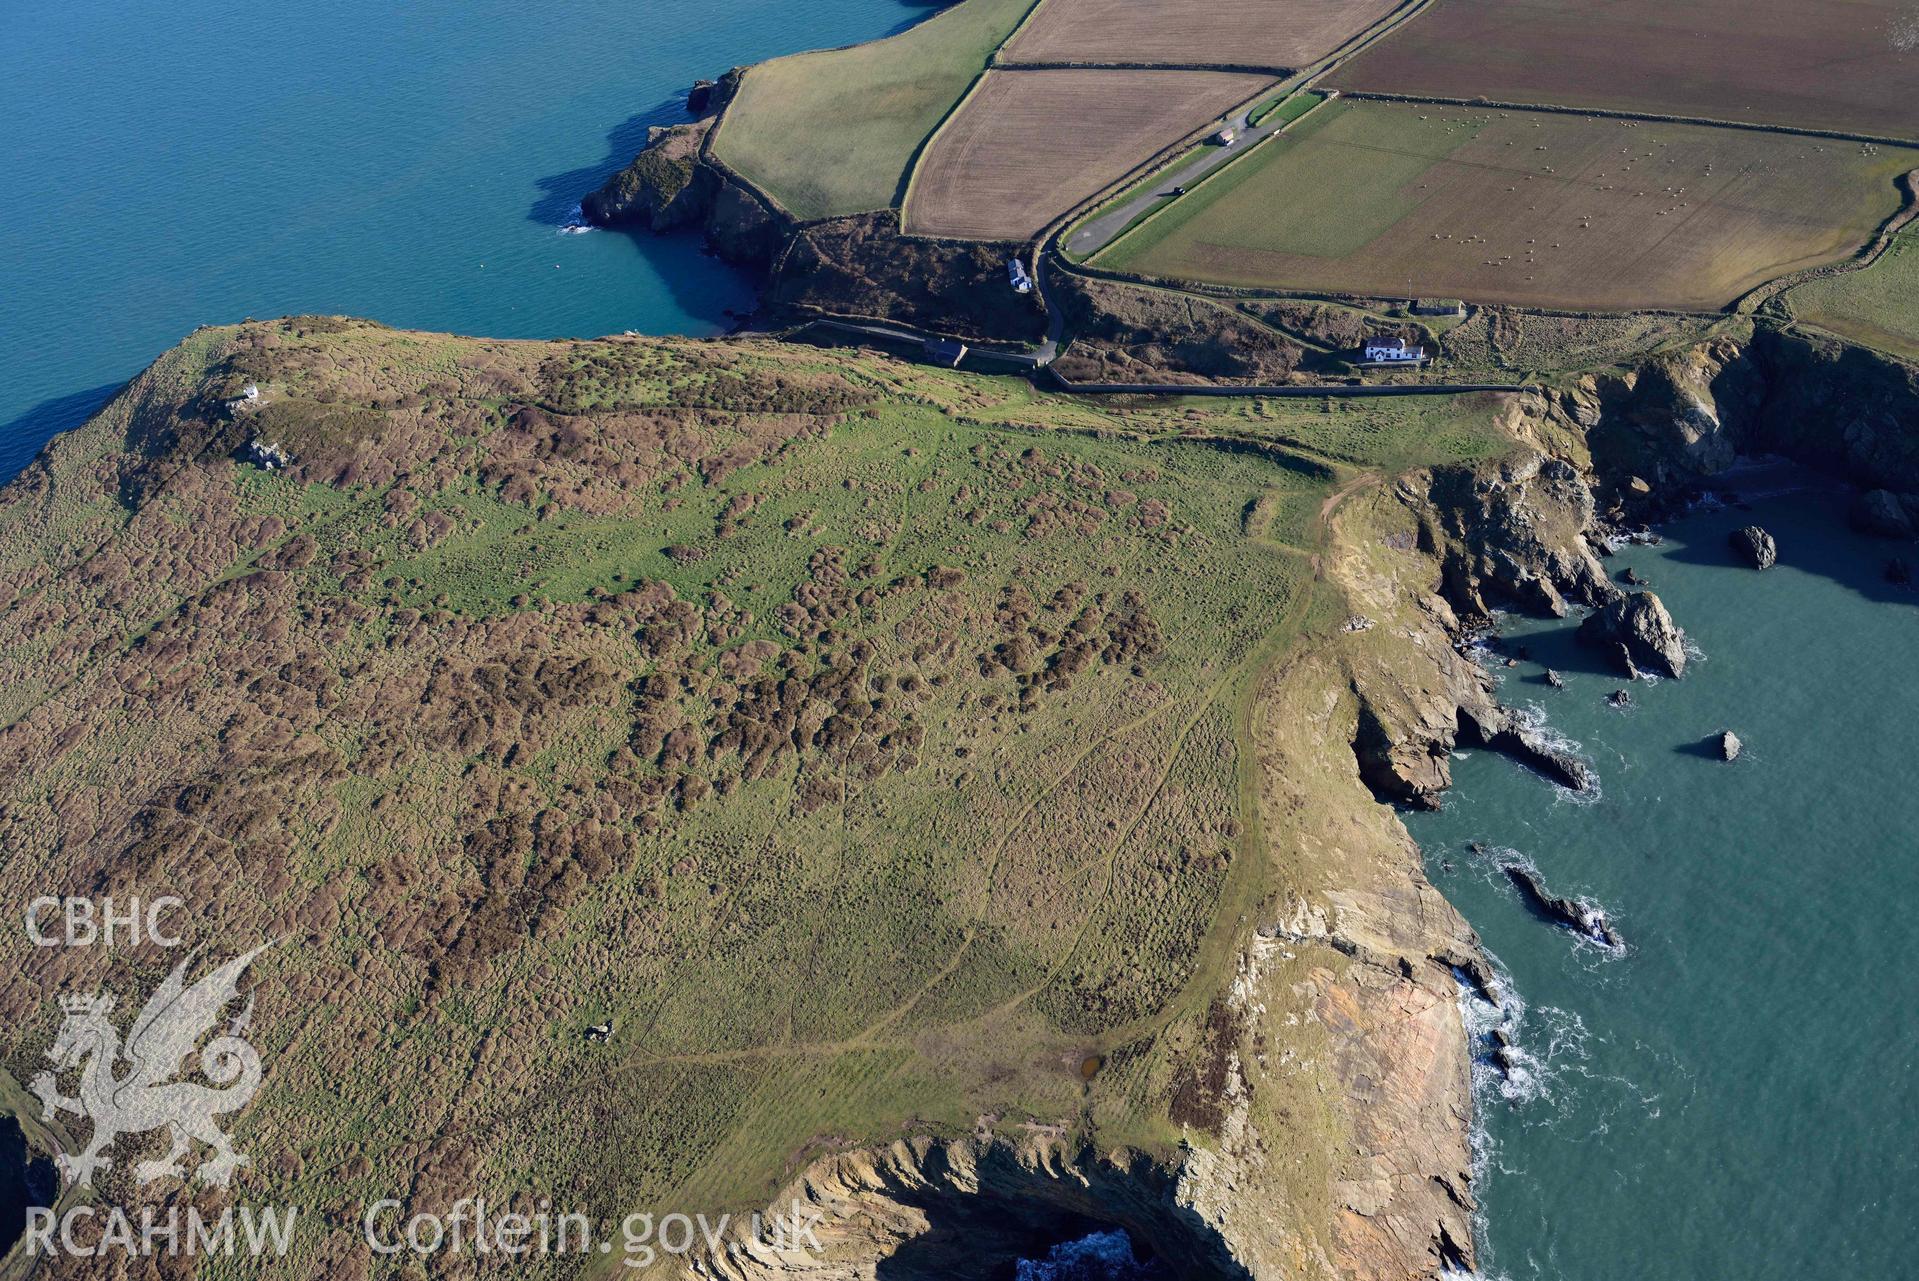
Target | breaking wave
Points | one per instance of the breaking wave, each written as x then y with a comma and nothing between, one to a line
1099,1256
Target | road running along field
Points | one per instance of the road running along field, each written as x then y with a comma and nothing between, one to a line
1029,145
1846,65
1532,208
1878,305
834,132
1276,34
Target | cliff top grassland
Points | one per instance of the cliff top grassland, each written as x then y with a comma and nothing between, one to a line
872,745
1874,305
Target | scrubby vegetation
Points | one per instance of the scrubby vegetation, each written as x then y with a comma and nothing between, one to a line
867,742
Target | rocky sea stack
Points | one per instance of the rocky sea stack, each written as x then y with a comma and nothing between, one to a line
1755,547
1636,629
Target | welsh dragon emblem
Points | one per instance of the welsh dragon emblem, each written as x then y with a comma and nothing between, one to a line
145,1097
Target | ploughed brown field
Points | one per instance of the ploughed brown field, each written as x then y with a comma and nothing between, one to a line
1534,208
1848,65
1030,145
1238,33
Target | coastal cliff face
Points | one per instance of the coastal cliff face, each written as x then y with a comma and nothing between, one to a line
863,266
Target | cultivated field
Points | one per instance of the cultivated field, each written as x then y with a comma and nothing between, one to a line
1827,64
1533,208
835,132
1878,306
1279,34
1029,145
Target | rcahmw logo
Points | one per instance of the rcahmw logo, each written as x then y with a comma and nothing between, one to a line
145,1097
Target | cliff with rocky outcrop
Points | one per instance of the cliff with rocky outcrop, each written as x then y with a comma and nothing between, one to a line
863,266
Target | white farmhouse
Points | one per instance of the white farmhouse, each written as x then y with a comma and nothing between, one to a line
1392,351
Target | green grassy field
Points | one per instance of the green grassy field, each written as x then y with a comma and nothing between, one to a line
835,132
1878,306
1530,208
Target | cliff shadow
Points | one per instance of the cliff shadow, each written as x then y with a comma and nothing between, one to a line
560,193
1706,749
1557,648
1814,536
22,437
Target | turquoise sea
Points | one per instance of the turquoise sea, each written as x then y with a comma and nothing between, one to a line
174,165
1734,1097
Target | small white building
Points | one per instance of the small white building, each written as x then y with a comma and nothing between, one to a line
1392,351
1227,136
1016,272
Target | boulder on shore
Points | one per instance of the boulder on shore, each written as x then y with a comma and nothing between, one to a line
1729,746
1639,632
1755,546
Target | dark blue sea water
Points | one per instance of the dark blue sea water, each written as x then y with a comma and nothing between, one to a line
1735,1096
164,166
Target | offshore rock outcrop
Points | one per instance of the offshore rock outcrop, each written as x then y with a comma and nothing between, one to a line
1583,918
1637,630
1755,546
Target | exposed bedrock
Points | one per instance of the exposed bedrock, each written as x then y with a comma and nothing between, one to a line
665,187
1680,417
1637,626
1577,915
1754,546
1516,533
969,1208
1884,514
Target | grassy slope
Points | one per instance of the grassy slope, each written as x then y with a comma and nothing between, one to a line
1878,306
835,132
418,685
1530,208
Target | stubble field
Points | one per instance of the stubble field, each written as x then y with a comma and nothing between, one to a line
1825,64
1235,33
1029,145
1531,208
